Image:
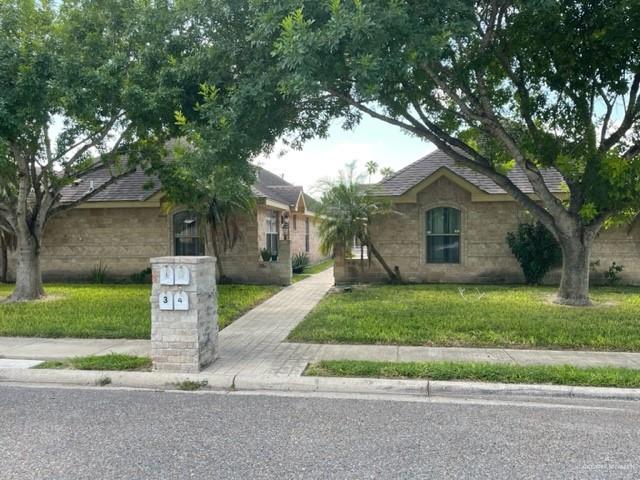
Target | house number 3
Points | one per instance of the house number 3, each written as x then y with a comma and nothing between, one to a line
166,301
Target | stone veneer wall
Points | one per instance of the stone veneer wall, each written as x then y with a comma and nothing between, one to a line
485,255
185,341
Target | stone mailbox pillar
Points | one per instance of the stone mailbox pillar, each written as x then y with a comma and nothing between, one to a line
184,317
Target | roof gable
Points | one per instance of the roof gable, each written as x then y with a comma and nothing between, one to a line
408,178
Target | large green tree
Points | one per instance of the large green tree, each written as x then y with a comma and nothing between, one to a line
235,111
535,83
78,80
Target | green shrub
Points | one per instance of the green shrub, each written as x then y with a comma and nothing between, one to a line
265,254
299,262
99,273
536,250
612,275
143,276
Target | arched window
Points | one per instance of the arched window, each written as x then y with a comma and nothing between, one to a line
443,235
186,235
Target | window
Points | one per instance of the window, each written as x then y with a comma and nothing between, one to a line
306,234
186,237
295,223
443,235
272,232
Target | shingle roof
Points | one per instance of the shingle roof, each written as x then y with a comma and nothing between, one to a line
270,185
138,186
130,187
413,174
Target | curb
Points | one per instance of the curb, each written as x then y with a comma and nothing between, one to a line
284,383
146,380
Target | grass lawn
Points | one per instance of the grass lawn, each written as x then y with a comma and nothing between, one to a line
313,269
108,311
491,316
483,372
114,361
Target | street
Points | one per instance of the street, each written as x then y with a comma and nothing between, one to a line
91,433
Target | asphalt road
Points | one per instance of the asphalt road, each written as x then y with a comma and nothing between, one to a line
103,434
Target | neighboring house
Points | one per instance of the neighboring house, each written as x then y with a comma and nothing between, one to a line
450,225
127,223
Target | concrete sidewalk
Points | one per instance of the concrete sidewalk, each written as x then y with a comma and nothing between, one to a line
255,343
393,353
57,348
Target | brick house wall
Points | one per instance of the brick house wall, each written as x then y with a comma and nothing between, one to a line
243,263
484,254
297,235
124,239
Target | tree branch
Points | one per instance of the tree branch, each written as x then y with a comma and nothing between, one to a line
390,120
607,116
99,135
446,144
633,151
629,116
491,122
52,209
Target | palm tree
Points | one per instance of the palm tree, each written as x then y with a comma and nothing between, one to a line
220,196
346,211
229,204
386,172
372,168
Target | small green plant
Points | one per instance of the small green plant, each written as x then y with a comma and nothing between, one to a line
536,250
265,254
143,276
612,275
102,381
299,262
191,385
99,273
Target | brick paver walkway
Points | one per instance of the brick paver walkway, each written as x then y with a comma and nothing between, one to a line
255,343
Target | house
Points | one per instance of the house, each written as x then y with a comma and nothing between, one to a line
450,223
123,226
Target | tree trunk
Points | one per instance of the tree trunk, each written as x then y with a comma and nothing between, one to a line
394,276
28,277
3,260
216,251
574,285
213,247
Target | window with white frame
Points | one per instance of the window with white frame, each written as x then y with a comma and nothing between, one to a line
443,235
272,232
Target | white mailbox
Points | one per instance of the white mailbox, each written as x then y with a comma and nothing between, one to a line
165,300
182,275
181,301
166,275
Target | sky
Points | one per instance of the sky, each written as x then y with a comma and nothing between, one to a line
372,139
